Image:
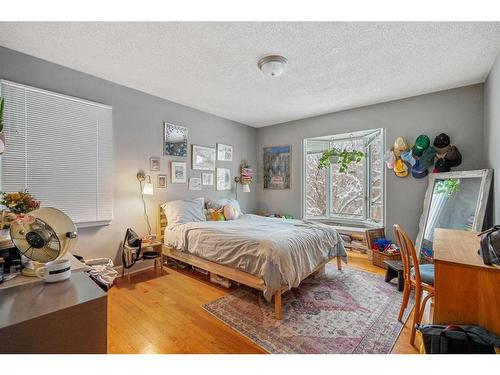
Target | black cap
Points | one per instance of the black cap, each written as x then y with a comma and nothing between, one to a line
441,166
441,141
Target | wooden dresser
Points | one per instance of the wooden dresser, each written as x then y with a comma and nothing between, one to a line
466,290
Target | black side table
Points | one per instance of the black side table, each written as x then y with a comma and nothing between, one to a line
395,269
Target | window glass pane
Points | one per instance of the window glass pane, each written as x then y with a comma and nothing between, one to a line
347,189
315,186
376,179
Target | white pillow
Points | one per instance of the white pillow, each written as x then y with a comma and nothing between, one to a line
184,211
218,203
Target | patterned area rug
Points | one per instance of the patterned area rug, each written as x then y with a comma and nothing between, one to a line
347,311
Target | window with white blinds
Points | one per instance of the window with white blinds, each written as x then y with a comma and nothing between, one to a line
60,149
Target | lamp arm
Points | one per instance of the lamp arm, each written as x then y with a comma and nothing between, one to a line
146,217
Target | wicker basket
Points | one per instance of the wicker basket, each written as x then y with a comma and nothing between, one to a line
379,257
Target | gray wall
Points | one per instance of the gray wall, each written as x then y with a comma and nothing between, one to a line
458,112
137,135
492,136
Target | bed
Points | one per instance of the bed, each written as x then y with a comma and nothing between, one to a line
267,254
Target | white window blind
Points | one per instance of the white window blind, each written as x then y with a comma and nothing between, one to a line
59,148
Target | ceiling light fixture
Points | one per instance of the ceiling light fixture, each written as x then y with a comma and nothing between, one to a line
273,65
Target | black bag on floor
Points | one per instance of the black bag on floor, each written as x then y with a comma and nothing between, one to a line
441,339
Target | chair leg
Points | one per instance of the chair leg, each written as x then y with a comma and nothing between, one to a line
416,313
404,302
422,309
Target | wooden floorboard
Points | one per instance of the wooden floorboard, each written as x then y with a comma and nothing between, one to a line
163,314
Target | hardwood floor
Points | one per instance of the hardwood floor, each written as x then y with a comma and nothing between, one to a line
163,314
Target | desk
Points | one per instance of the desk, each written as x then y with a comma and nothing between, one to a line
65,317
466,290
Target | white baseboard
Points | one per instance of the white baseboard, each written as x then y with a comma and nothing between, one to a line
138,267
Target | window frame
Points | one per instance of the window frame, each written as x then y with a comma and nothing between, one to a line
365,219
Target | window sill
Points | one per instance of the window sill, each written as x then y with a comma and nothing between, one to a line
358,224
90,224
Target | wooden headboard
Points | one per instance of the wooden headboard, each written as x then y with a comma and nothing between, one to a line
161,224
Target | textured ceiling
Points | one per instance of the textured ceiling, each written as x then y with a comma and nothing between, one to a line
213,66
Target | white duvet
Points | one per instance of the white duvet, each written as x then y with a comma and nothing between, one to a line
281,252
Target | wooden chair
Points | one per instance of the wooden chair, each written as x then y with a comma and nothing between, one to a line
414,279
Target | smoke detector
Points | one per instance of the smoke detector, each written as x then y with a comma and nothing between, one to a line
273,65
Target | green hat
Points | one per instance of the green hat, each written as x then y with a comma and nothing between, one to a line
421,144
427,158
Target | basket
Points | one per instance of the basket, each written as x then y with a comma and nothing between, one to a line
379,258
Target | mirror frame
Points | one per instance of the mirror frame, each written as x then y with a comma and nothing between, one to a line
484,174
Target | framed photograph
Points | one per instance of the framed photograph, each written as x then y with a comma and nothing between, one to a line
179,172
277,167
162,181
203,158
154,164
207,178
223,179
175,140
224,152
195,183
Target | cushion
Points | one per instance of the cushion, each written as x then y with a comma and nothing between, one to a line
426,273
219,203
230,212
184,211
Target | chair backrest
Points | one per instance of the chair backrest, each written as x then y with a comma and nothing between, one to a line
408,253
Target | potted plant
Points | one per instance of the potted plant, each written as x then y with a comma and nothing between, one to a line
343,157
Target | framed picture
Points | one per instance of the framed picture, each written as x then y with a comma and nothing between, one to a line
178,172
207,178
195,183
175,140
203,158
277,167
162,181
154,164
224,152
223,179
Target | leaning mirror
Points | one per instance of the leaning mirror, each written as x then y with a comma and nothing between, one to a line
454,200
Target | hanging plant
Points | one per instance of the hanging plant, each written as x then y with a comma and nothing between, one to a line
343,157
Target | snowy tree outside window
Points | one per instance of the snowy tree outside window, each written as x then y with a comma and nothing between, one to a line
353,197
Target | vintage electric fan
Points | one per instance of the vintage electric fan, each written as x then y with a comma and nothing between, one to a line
42,236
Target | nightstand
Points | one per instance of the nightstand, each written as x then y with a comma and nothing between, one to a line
149,250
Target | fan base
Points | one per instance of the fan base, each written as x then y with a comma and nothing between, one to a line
30,272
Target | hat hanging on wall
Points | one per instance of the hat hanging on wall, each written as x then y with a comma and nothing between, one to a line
400,168
400,145
389,159
441,166
419,171
453,157
442,143
421,144
407,157
427,158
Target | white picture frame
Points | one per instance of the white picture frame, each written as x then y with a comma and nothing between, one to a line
207,179
194,183
162,181
154,164
224,152
179,171
203,158
223,179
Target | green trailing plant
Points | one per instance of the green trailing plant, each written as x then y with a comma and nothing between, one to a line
1,113
345,158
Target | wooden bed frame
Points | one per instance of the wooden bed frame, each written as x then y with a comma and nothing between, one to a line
225,271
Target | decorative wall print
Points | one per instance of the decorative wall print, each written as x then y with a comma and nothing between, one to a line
207,178
162,180
224,152
195,183
203,158
223,179
154,164
175,140
277,167
178,172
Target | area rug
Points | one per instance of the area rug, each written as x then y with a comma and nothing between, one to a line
348,311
